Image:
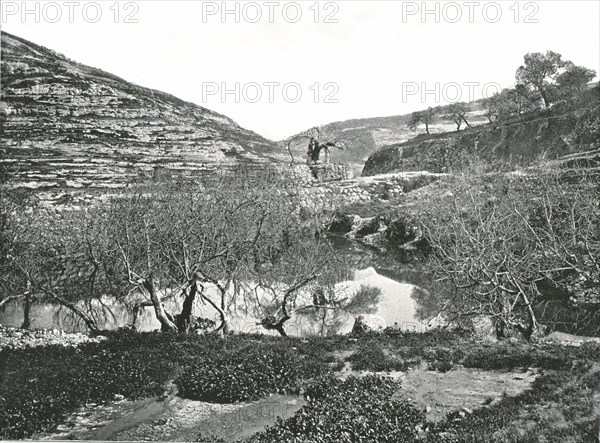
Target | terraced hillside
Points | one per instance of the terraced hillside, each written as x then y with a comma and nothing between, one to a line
66,126
367,135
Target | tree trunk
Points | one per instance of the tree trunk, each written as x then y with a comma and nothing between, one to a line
165,322
465,120
184,319
88,320
27,312
281,331
135,314
274,326
533,328
224,326
427,127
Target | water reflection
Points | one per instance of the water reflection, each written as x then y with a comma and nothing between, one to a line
396,306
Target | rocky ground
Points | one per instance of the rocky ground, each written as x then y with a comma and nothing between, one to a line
14,338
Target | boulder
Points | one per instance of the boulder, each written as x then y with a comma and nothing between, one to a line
368,323
341,223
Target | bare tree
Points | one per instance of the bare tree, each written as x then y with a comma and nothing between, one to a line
13,284
498,238
317,139
60,257
303,280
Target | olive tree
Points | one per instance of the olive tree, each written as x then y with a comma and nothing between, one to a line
456,112
551,76
317,139
575,78
422,117
539,71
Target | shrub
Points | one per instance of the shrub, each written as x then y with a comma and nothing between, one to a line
371,357
245,375
41,386
358,409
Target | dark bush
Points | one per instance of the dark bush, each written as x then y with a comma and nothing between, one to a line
40,386
355,410
371,357
245,375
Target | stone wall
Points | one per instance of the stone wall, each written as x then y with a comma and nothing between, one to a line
329,195
325,187
284,174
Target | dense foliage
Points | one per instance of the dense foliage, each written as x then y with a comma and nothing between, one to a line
40,386
247,374
354,410
371,356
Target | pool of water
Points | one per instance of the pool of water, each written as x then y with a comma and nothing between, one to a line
396,305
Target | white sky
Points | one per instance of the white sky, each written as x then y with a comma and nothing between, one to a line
371,54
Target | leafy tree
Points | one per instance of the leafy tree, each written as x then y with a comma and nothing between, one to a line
457,113
508,102
422,117
521,100
540,72
575,78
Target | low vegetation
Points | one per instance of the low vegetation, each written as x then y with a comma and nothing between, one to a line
41,386
249,373
357,409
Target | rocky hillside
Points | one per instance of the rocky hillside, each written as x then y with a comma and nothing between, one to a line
66,126
567,130
367,135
